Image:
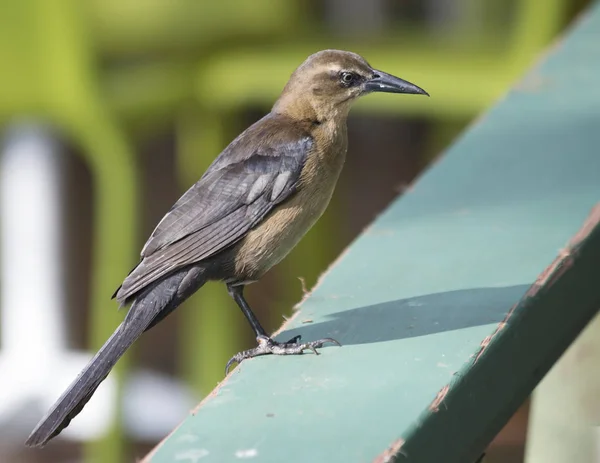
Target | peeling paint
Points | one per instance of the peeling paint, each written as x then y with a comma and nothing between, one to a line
562,262
435,405
192,455
305,290
483,345
246,453
388,455
559,265
488,339
565,258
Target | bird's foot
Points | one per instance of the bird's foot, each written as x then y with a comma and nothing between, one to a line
267,346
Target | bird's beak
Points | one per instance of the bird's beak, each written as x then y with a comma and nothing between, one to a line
383,82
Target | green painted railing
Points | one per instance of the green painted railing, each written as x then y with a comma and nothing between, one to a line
451,307
56,77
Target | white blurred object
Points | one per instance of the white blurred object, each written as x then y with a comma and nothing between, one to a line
35,362
154,404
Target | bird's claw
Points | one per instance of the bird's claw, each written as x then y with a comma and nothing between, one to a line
267,346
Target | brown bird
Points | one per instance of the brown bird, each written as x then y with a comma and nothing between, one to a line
250,208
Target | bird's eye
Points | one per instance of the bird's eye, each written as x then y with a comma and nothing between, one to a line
348,78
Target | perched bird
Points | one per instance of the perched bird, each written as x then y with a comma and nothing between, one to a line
250,208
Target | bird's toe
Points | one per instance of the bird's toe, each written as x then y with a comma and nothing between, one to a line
267,346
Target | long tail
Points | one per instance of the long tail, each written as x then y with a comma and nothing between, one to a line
80,391
146,310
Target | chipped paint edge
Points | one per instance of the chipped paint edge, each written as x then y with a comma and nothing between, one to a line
551,274
389,454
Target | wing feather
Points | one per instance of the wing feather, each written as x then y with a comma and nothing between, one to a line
250,177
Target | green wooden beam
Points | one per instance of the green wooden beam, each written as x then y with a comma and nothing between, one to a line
451,307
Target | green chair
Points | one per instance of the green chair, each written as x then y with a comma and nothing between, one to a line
150,48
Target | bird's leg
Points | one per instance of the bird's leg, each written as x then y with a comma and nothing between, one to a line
266,345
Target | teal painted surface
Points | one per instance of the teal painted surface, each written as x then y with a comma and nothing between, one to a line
414,297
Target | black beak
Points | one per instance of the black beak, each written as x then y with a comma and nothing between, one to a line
383,82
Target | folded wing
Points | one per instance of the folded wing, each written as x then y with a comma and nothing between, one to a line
253,175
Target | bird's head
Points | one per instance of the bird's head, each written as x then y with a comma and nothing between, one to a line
328,81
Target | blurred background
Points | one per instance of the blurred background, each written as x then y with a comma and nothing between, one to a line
110,109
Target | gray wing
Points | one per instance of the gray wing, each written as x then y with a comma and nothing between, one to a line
241,187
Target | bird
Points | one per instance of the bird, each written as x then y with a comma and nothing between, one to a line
249,209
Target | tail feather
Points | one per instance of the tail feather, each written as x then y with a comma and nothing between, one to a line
149,307
80,391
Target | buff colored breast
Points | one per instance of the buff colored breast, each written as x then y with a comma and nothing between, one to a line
267,244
